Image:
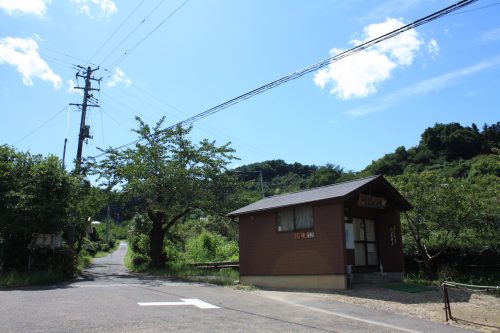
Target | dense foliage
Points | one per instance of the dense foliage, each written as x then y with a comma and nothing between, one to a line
37,196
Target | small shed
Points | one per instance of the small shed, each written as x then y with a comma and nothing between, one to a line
323,238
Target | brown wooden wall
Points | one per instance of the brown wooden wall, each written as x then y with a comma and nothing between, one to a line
265,251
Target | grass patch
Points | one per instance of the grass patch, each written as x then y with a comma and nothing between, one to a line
83,261
223,277
139,263
21,279
407,287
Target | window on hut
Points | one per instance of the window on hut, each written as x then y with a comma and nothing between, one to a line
298,218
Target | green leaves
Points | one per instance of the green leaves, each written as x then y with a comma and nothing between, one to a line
447,211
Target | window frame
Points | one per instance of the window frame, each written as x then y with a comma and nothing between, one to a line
295,228
365,241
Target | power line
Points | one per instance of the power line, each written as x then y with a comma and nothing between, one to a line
41,125
138,25
312,68
126,53
116,30
474,9
66,55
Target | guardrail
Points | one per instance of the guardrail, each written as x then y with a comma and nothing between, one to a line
217,265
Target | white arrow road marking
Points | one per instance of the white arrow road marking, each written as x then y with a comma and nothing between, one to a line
185,301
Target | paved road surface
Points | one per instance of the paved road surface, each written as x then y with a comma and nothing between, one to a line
106,297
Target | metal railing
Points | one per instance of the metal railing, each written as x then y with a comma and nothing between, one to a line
463,286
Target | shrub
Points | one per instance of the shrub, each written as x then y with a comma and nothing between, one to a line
210,247
140,261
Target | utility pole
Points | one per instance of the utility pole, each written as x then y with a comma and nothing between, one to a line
64,154
260,178
85,73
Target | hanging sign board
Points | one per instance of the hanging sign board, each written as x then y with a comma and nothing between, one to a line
370,201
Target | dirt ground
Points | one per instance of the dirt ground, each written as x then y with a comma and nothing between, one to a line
476,311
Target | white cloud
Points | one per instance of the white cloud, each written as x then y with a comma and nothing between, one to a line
71,88
23,54
119,77
105,7
360,75
36,7
425,86
433,48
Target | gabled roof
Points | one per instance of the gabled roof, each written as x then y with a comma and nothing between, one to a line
339,190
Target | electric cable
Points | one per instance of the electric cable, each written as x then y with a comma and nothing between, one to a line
138,25
116,30
41,125
474,9
67,55
126,53
299,73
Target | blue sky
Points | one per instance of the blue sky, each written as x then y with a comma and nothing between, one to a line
207,52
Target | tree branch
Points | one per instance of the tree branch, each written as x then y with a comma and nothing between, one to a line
175,219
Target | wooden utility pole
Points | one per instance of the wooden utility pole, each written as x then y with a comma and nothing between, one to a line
85,73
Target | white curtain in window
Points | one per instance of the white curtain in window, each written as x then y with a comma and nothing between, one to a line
370,230
285,220
359,231
303,217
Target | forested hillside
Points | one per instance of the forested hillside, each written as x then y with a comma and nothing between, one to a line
453,149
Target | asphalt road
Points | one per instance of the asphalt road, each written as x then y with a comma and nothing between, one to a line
106,299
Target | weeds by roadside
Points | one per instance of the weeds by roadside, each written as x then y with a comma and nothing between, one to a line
183,271
20,279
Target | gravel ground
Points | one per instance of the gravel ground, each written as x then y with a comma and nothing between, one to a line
477,311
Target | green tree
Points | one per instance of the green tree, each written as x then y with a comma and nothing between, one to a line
36,196
443,213
170,176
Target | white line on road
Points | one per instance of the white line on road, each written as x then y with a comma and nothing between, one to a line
185,301
377,323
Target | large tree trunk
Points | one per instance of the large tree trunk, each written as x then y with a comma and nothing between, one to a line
156,244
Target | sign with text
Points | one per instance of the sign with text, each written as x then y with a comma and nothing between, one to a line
304,235
370,201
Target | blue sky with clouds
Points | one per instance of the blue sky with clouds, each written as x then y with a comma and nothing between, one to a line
178,58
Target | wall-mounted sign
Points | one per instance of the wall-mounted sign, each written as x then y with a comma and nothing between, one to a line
304,235
370,201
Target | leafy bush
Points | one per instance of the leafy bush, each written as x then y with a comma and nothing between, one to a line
210,247
139,260
138,234
19,279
